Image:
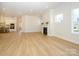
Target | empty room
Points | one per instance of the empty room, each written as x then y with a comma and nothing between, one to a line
39,29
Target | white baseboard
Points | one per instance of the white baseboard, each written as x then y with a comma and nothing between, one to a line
49,34
65,38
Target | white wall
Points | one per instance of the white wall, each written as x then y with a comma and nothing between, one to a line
30,23
51,23
63,29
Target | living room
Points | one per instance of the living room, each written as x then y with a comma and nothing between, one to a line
39,28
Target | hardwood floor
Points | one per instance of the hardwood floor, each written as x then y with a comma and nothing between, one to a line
35,44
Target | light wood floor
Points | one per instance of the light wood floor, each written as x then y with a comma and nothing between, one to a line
35,44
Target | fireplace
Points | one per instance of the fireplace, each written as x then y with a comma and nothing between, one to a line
45,30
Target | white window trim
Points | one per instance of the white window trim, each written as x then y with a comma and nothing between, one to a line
72,17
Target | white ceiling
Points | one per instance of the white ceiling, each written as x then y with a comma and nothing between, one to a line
22,8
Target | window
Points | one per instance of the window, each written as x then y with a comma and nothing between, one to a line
59,18
75,21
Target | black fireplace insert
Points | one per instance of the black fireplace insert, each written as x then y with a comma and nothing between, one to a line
45,30
12,26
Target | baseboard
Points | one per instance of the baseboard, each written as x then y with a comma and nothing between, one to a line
30,32
67,39
49,34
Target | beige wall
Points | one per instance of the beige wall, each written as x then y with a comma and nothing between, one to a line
63,29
